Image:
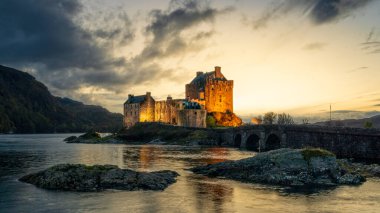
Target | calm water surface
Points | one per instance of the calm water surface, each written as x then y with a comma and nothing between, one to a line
22,154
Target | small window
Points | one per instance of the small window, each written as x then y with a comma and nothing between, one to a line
195,113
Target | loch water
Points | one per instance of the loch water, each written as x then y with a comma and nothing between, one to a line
23,154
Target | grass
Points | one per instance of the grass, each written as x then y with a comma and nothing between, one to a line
309,153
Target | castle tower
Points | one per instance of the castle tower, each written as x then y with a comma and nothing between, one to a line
212,90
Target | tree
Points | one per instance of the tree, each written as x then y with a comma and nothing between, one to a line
284,119
305,121
257,120
269,118
368,125
210,121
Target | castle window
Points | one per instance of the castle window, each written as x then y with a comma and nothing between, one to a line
220,98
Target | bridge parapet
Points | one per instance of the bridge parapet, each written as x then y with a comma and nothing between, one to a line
343,141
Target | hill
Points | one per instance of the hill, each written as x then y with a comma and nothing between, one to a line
355,123
27,106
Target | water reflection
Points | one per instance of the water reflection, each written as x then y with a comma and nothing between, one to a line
191,193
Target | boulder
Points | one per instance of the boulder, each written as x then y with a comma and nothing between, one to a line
78,177
288,167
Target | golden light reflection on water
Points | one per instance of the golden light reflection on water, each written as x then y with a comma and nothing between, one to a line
191,192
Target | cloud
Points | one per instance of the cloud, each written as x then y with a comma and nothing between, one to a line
318,11
357,69
372,43
314,46
69,52
43,36
377,105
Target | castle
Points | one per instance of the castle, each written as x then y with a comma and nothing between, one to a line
208,92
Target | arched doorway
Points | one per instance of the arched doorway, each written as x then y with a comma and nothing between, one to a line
273,142
237,141
253,143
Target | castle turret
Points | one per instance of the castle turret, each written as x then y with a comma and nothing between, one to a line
218,72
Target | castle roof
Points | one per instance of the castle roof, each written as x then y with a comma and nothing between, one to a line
136,99
200,80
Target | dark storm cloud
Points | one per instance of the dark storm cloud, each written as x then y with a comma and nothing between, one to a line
167,27
44,36
43,32
318,11
67,51
172,36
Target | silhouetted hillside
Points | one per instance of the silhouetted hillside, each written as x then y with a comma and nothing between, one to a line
26,106
356,123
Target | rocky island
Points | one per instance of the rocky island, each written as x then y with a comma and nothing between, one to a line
286,167
78,177
152,133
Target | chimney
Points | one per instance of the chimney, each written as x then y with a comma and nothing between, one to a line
130,96
199,73
218,72
148,94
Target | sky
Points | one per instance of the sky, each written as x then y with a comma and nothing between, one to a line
293,56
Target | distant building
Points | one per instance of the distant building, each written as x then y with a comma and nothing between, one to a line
207,92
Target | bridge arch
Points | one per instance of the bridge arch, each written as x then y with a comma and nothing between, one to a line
237,140
253,142
273,142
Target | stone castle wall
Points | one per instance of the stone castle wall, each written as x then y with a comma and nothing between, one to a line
192,92
131,114
147,110
192,118
219,96
167,111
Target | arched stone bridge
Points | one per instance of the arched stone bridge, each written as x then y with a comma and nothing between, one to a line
344,142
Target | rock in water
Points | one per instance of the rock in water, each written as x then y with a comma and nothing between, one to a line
70,139
78,177
288,167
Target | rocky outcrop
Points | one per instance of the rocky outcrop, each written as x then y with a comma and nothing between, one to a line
228,119
367,170
288,167
89,137
93,137
77,177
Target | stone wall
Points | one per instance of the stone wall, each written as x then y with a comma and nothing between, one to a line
219,96
167,111
131,114
147,109
344,142
192,92
192,118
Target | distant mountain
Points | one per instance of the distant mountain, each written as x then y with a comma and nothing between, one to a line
26,106
356,123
